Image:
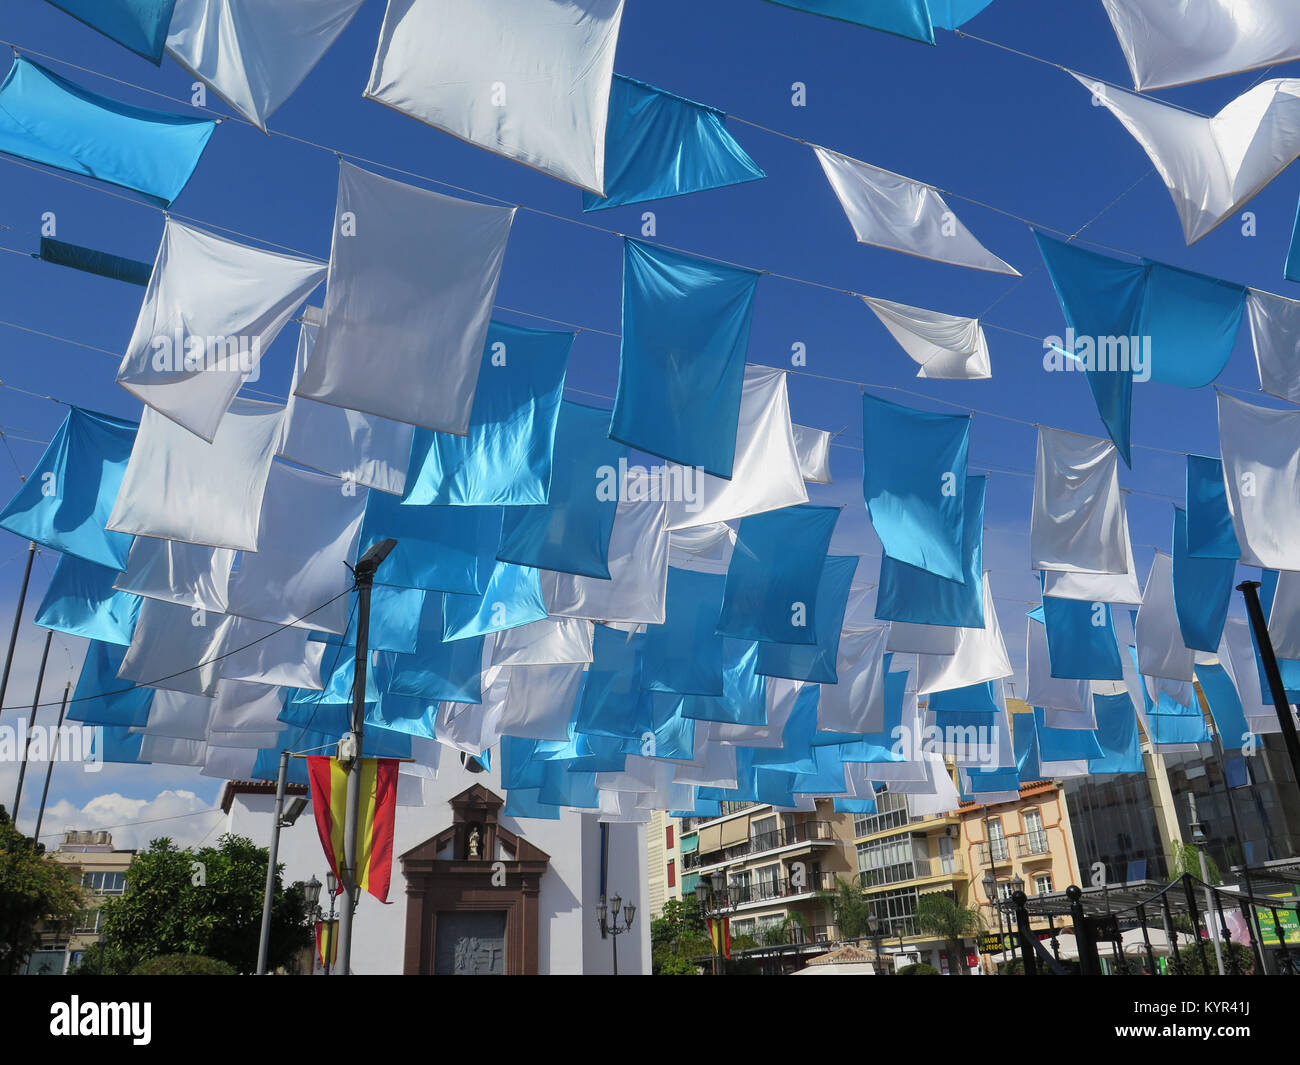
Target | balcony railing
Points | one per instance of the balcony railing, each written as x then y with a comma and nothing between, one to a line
780,887
994,853
1032,843
916,869
804,832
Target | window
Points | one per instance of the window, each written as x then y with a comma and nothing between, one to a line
104,883
763,834
1043,884
87,923
1035,837
668,837
997,844
742,928
891,812
1005,890
672,874
886,861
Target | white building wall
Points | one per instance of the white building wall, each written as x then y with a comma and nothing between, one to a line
569,939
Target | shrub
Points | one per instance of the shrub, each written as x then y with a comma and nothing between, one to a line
918,968
183,965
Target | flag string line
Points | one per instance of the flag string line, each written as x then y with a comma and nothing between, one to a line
180,673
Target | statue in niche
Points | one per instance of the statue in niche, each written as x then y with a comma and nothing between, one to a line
472,846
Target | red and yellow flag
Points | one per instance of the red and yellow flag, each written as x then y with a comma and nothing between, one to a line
329,790
327,942
720,933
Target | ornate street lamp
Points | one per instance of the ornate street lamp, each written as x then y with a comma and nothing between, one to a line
612,928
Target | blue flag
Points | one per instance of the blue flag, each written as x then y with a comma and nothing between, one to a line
682,365
140,25
82,601
1202,591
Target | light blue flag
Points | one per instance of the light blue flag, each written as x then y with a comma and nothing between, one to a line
513,597
965,719
774,786
682,364
882,746
506,457
744,697
82,601
90,261
65,502
973,699
659,145
442,671
684,654
829,778
402,713
1210,533
439,549
375,743
610,698
1077,648
570,533
526,802
984,781
906,18
914,482
1192,322
949,14
775,575
101,697
815,663
1145,321
394,621
1100,297
674,733
1225,704
907,593
574,790
1202,591
140,25
854,806
1065,744
1024,737
1169,721
116,743
519,767
49,120
1117,734
705,809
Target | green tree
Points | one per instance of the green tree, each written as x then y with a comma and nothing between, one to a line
1191,959
941,915
851,908
1185,858
919,968
677,937
204,902
34,890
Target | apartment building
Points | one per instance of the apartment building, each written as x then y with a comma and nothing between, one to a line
1025,844
103,874
774,864
901,857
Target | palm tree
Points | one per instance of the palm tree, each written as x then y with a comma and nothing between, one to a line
851,908
941,915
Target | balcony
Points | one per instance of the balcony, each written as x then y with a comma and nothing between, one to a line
916,869
804,832
1032,844
997,852
781,887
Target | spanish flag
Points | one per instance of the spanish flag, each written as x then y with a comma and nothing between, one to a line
329,788
327,942
720,933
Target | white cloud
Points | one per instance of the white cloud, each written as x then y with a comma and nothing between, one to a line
180,815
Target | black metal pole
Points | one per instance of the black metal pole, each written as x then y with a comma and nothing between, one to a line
1195,915
13,633
1022,927
1171,930
1281,939
1146,939
1082,933
31,725
49,766
1233,967
1250,592
1252,919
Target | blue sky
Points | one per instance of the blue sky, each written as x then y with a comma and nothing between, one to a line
976,119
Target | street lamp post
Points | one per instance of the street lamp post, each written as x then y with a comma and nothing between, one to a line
990,883
612,928
332,888
1017,888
